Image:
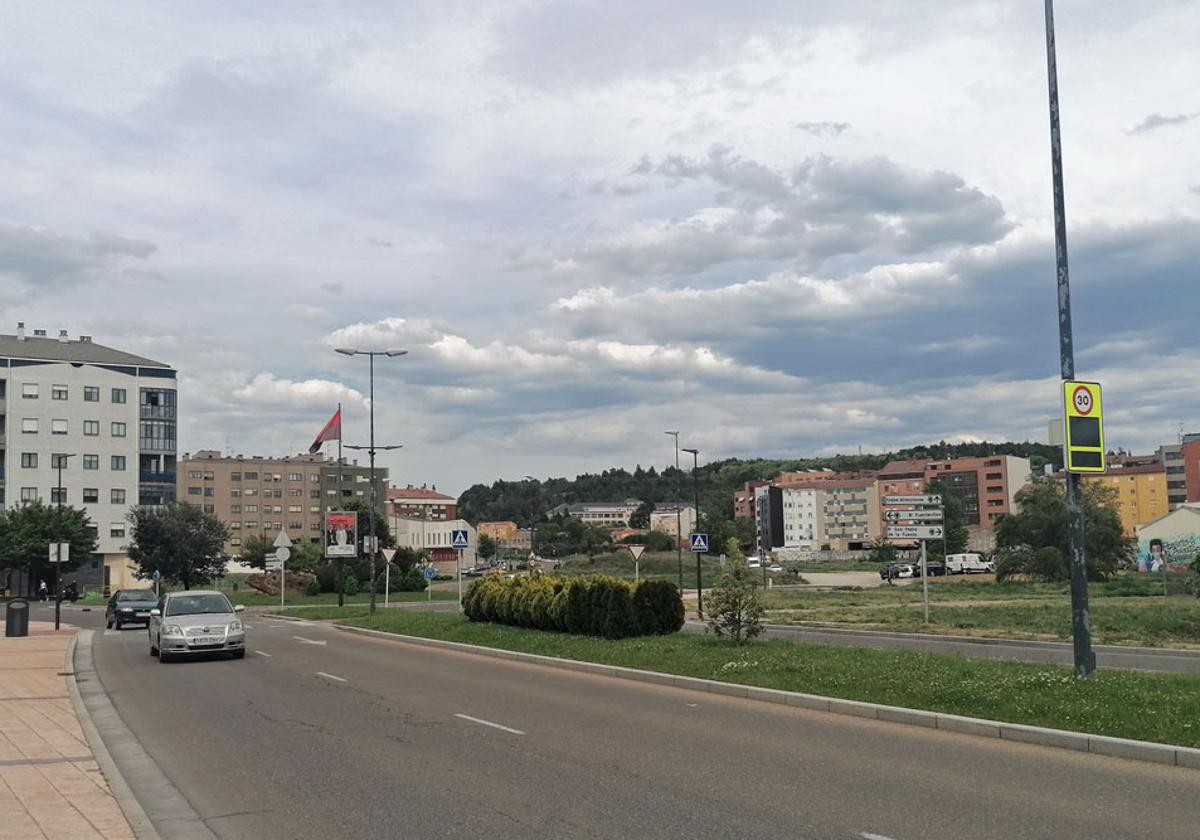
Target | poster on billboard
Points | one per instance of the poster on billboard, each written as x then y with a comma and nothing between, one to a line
341,534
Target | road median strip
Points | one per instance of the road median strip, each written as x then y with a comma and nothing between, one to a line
1161,753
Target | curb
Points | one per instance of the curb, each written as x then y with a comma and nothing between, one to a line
1060,738
143,828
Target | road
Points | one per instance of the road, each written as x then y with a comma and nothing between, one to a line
321,734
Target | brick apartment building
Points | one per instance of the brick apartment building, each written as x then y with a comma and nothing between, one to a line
1141,493
421,503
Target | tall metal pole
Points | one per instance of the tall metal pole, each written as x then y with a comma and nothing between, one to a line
58,549
341,571
678,515
371,452
696,490
925,577
1085,657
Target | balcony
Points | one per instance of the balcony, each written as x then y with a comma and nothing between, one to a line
156,445
151,477
158,412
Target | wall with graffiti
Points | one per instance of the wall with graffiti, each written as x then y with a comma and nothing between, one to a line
1177,552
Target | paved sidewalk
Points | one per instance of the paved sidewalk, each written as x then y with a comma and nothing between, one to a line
50,784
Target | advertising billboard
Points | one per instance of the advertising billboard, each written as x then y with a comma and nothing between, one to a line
341,534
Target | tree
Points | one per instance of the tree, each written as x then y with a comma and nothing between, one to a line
957,536
26,533
640,518
883,552
180,542
487,547
735,607
255,550
733,549
306,557
363,509
1029,541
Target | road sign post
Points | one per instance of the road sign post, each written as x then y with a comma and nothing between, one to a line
388,554
636,552
283,550
924,522
699,543
460,539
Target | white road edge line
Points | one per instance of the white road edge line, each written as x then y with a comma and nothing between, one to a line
331,677
263,653
482,722
309,641
866,835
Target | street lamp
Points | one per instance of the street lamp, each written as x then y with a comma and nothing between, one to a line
532,519
678,514
60,461
696,487
371,354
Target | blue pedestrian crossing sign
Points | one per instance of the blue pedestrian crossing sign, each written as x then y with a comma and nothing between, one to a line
458,538
700,543
431,572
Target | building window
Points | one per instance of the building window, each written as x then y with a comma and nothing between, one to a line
29,390
235,540
250,491
116,529
210,491
118,430
235,493
196,474
251,476
58,461
195,491
91,495
116,496
209,508
57,495
29,460
117,463
250,508
251,525
295,493
91,462
91,393
118,395
58,392
235,476
295,508
91,428
314,478
29,494
58,427
235,508
29,426
209,475
295,477
235,526
295,526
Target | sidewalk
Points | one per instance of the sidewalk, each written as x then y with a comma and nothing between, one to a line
51,787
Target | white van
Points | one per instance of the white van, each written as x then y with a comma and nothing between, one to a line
965,564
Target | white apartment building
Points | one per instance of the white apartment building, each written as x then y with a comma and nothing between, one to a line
106,416
789,518
673,518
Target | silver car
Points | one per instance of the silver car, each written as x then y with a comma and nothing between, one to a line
196,621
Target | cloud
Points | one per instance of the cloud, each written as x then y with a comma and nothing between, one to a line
266,390
43,260
306,313
824,129
1156,120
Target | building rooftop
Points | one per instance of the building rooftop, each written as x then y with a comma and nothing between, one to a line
62,349
417,494
912,468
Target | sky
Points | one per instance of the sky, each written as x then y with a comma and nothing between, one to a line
785,229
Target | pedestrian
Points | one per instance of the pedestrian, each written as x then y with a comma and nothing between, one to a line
43,593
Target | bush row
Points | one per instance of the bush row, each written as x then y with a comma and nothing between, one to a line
591,606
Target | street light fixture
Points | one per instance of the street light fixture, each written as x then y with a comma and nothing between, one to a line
60,461
678,514
695,453
371,449
532,520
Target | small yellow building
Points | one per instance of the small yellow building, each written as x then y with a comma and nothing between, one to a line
1141,493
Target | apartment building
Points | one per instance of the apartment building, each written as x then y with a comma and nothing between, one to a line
1171,457
506,534
258,496
421,503
1142,495
604,514
675,519
1190,450
107,417
743,500
987,486
789,518
436,539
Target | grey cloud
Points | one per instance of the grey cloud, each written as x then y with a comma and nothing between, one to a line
824,129
1157,120
379,242
335,287
42,259
1195,188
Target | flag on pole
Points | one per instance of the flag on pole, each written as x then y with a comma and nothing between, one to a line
332,431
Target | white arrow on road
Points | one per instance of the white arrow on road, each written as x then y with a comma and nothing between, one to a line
308,641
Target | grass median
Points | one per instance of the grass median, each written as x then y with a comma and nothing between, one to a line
1124,704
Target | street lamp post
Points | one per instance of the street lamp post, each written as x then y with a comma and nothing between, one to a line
532,520
678,514
371,449
60,461
696,489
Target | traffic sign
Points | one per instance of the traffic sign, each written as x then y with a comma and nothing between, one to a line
157,576
931,499
274,565
915,532
283,540
459,538
388,554
636,551
1084,426
700,543
66,552
430,573
926,515
282,554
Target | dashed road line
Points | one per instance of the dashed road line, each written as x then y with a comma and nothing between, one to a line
309,641
866,835
263,653
331,677
483,722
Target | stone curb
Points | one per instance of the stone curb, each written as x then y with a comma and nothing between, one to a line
1060,738
143,828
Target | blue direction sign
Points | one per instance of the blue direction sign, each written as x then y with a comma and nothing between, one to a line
700,543
431,572
458,538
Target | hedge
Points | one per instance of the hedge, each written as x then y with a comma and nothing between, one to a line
588,606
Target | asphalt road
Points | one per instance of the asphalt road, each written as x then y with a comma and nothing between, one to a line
339,736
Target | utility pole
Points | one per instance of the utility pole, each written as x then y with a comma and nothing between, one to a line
60,461
696,489
1085,657
678,513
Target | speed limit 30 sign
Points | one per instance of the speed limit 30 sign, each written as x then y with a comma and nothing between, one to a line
1083,424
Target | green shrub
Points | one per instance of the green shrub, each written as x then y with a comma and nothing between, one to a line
313,587
349,582
659,607
327,577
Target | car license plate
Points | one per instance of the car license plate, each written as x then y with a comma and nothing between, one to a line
206,640
143,615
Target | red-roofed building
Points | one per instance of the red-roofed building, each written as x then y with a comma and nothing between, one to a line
421,503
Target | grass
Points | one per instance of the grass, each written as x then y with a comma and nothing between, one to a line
253,598
1112,703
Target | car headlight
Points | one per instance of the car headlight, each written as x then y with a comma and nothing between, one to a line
235,626
172,630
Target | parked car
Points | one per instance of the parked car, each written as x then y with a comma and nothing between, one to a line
196,621
753,564
892,571
129,606
935,569
774,567
965,564
475,571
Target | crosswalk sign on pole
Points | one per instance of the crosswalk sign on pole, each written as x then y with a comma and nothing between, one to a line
700,543
458,538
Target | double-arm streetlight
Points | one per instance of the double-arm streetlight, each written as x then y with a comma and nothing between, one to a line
696,488
371,449
532,517
678,514
60,461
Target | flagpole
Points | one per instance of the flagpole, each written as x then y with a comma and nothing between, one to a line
340,570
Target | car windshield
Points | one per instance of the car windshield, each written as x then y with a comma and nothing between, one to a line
197,604
138,595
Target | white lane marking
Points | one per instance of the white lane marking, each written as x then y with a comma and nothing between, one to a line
309,641
263,653
331,676
692,705
866,835
112,632
482,722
